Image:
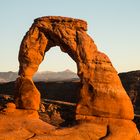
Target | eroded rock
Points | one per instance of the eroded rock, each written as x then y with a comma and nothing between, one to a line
25,124
27,96
101,92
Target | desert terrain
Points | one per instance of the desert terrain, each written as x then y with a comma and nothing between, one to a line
59,95
94,106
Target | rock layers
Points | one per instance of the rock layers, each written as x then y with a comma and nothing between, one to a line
101,93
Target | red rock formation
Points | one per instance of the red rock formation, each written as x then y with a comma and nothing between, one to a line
25,125
27,96
101,93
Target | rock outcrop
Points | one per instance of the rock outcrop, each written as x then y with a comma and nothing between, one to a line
101,93
28,96
131,83
26,125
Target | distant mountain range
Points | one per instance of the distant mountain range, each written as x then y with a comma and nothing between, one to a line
45,76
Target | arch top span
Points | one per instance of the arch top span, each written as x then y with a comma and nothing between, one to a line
46,32
101,92
70,22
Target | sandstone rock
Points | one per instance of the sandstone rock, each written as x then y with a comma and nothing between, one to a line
104,109
116,129
21,125
42,108
131,83
20,113
27,97
101,93
11,105
25,124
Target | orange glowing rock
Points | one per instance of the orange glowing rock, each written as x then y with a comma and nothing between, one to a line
101,92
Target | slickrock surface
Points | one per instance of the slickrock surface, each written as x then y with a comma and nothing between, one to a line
21,124
26,125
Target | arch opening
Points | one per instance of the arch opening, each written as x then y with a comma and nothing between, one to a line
55,60
59,83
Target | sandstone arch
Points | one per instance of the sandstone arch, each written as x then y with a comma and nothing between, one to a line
101,93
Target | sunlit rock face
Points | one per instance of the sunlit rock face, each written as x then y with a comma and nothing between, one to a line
101,92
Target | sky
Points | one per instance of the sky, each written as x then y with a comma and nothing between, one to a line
114,25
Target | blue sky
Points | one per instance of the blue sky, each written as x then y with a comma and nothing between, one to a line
113,24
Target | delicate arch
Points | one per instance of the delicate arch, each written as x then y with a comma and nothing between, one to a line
101,88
